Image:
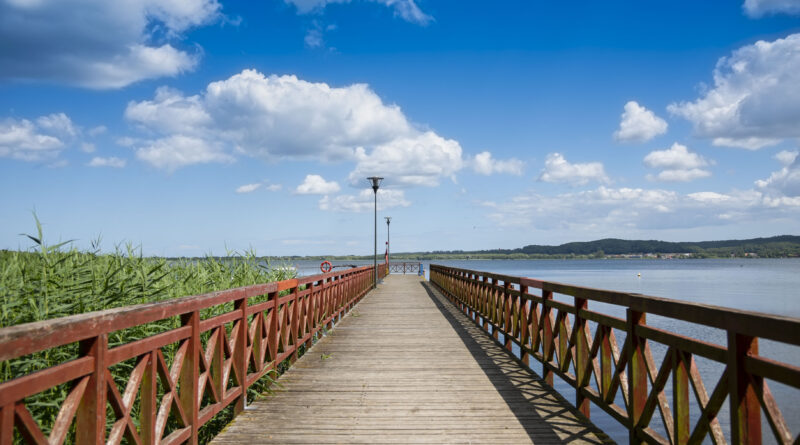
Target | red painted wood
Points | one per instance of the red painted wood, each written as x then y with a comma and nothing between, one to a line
744,406
632,369
7,425
90,425
680,397
194,370
582,359
240,356
548,341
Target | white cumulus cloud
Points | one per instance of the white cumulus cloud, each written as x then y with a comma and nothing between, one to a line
248,188
283,117
418,159
406,9
759,8
678,164
98,43
786,157
41,140
558,169
638,124
364,201
709,197
680,175
169,113
57,123
755,100
317,185
677,157
484,164
113,162
173,152
98,130
275,117
784,183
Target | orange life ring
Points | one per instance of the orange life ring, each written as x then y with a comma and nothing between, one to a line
326,266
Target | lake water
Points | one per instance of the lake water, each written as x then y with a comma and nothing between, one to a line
764,285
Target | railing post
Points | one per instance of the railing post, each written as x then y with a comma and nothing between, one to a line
240,354
547,337
149,405
329,303
190,374
485,306
471,292
680,396
90,426
497,315
272,332
7,424
745,409
295,328
524,322
637,374
313,314
581,358
507,306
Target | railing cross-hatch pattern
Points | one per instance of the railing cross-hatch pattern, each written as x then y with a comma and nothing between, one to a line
557,335
164,387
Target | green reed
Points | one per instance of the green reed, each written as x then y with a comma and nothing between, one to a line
50,281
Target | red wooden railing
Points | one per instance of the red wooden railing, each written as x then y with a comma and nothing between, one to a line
205,375
525,313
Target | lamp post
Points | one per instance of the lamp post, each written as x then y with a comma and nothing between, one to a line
388,220
376,183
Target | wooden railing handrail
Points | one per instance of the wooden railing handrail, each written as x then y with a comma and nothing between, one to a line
602,372
756,324
15,340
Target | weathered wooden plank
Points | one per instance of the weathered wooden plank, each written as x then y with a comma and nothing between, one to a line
409,367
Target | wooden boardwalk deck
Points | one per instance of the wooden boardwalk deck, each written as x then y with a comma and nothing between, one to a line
407,367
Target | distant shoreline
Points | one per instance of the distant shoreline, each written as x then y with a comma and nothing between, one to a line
401,258
783,246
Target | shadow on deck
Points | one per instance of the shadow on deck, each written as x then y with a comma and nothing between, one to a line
533,402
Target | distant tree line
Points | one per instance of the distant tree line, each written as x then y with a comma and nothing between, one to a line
773,247
783,246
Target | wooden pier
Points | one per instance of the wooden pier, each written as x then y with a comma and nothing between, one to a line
407,367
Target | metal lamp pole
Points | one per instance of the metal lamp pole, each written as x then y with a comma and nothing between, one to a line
376,183
388,220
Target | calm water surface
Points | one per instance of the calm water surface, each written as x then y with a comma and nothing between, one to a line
764,285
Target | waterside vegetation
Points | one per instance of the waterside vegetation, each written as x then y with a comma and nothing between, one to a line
51,281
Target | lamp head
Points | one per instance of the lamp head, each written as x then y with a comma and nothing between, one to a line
376,182
388,219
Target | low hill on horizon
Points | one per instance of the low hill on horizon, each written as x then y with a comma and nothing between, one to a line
782,245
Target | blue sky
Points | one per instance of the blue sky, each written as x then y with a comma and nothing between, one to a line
195,126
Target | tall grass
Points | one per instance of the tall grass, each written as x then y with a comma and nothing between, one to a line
50,281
